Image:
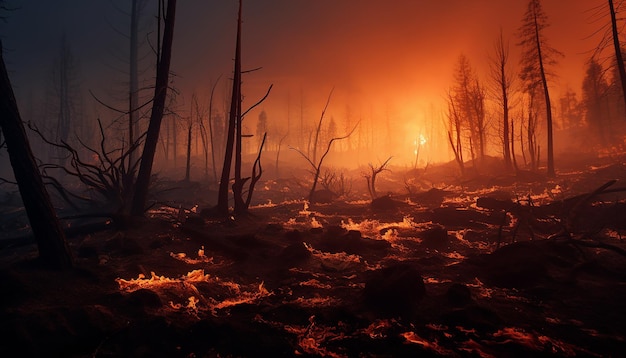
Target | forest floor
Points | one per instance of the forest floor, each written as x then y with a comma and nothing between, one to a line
490,266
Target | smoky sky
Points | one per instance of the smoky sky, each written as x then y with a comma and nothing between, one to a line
382,54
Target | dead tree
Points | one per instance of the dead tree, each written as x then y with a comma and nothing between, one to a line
52,245
241,205
317,166
502,81
455,133
371,178
537,56
160,94
618,51
211,137
280,143
233,118
188,163
234,143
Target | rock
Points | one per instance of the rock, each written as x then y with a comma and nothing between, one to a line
395,289
293,253
384,204
474,316
293,235
435,237
273,228
458,295
323,196
142,298
123,245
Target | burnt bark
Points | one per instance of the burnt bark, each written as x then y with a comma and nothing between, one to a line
233,121
156,116
618,50
52,245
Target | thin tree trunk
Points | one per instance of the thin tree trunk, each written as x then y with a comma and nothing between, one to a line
546,93
211,130
158,106
52,245
618,51
513,159
133,94
222,199
188,164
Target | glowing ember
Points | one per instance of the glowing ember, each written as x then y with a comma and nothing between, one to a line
142,282
185,287
335,261
483,291
181,256
315,283
412,337
378,329
317,301
535,341
312,337
269,204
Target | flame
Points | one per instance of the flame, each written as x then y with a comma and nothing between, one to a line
378,329
184,287
202,258
337,261
412,337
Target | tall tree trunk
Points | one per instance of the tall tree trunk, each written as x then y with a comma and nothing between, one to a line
513,159
233,121
133,94
546,93
211,130
618,51
188,164
158,106
239,204
53,249
504,82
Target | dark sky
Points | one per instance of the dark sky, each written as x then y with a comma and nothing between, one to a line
379,56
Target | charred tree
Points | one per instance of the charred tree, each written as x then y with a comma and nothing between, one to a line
502,80
536,56
211,135
52,245
317,165
158,106
455,133
371,178
618,51
133,88
233,120
234,142
188,163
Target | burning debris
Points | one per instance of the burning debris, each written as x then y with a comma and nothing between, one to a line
203,292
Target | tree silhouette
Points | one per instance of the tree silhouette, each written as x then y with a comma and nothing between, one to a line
53,249
502,81
595,99
618,50
156,116
537,55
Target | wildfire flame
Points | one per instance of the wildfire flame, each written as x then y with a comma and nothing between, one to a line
185,287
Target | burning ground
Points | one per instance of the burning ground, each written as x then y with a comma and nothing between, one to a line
490,267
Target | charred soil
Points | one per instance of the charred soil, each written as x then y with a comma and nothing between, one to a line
489,266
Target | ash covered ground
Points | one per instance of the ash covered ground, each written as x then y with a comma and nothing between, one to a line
484,266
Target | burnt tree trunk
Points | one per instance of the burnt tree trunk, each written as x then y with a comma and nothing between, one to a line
53,249
233,122
546,93
618,50
188,164
160,94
